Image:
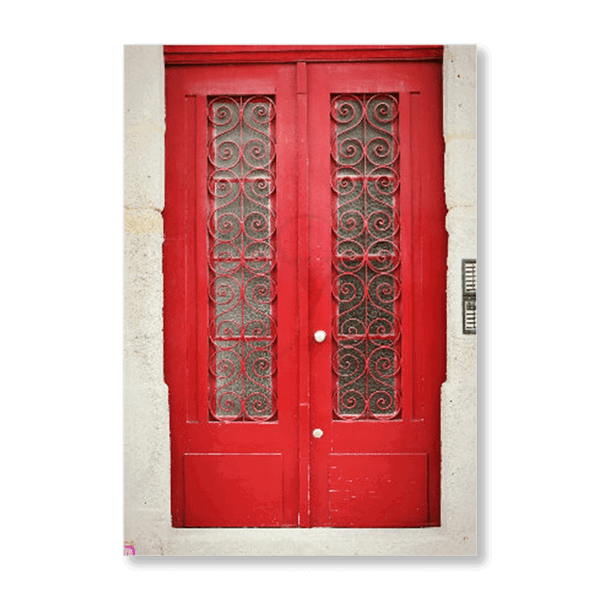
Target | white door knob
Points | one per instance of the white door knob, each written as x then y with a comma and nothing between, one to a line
320,336
317,433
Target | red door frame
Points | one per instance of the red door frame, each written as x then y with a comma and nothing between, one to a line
174,269
219,55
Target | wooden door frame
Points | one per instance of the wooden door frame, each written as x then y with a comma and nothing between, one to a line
147,508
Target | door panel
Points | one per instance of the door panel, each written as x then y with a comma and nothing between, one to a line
378,490
377,258
231,490
230,258
246,145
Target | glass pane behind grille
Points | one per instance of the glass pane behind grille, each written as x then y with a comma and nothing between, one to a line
366,264
241,231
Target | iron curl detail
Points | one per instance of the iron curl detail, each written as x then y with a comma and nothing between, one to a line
365,186
241,163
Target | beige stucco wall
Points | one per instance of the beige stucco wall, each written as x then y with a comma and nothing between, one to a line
459,392
146,417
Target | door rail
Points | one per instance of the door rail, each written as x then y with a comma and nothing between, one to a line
205,55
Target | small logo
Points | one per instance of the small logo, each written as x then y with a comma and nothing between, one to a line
129,548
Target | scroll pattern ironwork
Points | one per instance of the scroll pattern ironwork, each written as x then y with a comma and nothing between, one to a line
242,265
366,256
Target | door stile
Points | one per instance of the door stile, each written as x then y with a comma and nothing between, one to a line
408,209
200,315
319,264
180,262
190,256
430,267
303,324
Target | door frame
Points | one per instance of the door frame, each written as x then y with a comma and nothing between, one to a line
147,480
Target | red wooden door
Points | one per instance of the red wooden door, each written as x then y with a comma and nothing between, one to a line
377,288
304,198
230,259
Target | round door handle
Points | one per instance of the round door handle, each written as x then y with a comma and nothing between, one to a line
320,336
317,433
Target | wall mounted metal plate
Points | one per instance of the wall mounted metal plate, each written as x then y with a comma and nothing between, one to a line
469,295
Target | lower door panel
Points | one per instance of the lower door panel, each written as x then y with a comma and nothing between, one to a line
233,490
378,490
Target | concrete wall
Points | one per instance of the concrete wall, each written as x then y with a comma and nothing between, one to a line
459,392
146,426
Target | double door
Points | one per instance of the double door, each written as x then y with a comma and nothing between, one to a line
304,265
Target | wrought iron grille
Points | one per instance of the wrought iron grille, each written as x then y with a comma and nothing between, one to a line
366,257
242,261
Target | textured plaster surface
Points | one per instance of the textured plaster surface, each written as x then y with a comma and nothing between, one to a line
459,392
146,427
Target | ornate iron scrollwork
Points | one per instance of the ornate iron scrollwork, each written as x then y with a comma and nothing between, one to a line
242,261
366,256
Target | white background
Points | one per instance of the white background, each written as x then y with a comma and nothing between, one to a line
61,297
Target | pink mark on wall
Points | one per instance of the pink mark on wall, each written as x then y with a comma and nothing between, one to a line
129,550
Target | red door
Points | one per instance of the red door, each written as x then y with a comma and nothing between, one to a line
304,267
